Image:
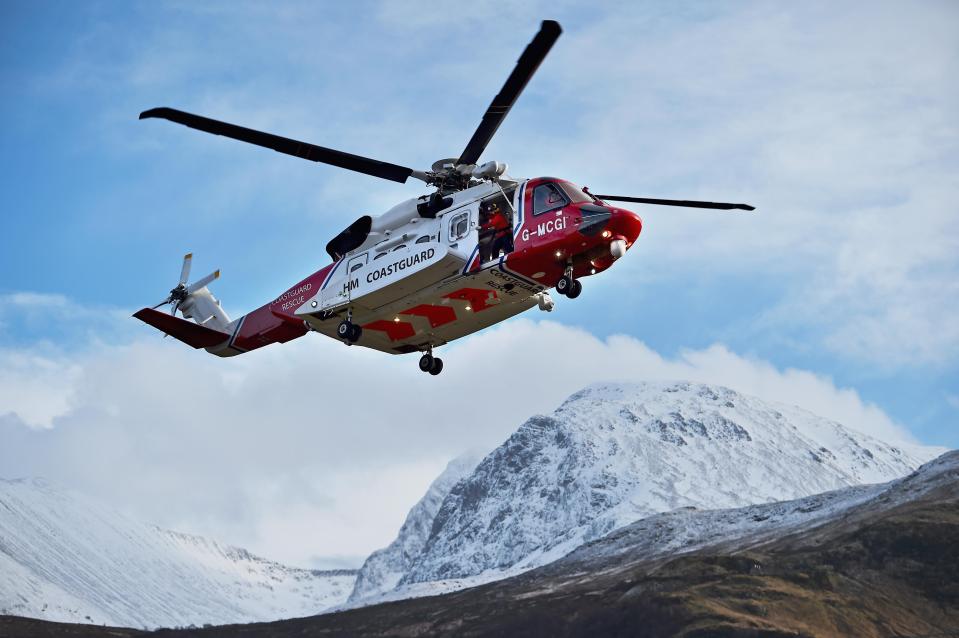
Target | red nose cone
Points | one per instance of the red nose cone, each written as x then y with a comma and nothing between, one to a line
626,223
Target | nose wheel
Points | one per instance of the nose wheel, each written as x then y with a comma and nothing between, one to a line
569,286
431,364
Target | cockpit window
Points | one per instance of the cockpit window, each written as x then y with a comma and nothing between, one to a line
548,197
577,194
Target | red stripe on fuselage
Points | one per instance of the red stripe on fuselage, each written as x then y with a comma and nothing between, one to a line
437,315
395,330
479,298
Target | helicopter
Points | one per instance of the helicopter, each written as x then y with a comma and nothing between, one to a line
479,249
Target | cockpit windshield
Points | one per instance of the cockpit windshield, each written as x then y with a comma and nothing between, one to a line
576,194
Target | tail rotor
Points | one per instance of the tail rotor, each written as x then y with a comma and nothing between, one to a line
181,292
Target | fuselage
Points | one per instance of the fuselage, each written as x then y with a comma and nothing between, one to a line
415,282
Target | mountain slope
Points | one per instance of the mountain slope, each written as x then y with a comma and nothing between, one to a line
870,561
615,453
64,557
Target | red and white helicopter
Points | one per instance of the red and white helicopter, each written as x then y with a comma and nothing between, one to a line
480,249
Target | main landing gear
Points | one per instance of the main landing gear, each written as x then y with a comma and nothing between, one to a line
569,286
349,331
431,364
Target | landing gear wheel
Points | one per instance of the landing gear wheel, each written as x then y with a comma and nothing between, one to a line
569,286
427,362
437,366
349,331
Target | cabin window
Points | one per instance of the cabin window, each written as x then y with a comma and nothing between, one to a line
400,247
459,225
548,197
358,262
423,239
380,255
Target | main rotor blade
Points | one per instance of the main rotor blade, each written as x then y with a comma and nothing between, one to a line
526,66
185,269
196,285
358,163
675,202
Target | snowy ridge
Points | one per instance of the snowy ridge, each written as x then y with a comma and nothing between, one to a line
616,453
384,567
64,557
688,529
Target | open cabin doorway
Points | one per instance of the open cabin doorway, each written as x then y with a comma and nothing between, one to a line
496,219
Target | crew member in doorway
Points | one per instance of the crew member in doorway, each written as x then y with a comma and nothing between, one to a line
497,227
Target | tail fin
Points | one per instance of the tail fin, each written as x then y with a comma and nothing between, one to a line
186,331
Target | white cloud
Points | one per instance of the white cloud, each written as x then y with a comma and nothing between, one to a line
23,300
312,449
36,386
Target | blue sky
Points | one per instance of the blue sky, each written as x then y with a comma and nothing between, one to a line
837,123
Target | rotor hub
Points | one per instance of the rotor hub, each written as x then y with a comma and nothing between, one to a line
179,293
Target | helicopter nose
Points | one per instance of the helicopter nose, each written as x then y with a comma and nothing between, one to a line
626,224
623,230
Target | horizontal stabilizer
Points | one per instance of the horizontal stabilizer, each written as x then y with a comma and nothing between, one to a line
186,331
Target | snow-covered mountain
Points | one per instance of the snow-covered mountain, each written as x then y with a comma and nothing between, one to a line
384,567
65,557
616,453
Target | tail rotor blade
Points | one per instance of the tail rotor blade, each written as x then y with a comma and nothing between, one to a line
676,202
185,269
192,288
162,303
